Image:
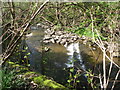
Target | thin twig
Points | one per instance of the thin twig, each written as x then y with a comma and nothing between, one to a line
6,56
115,79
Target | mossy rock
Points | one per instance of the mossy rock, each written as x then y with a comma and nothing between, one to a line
46,82
41,80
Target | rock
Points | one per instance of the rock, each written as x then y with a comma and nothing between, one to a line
66,44
84,42
74,38
60,37
59,40
33,28
93,49
59,32
83,37
52,33
67,35
48,31
39,24
46,49
53,36
71,41
56,37
63,41
52,40
46,41
47,37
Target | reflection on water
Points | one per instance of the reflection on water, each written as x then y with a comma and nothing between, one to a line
52,63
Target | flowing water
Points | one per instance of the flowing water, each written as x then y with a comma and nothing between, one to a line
55,62
74,55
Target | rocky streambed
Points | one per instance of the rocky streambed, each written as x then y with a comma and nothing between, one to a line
60,37
65,38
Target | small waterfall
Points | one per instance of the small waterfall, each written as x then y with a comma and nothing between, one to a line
74,58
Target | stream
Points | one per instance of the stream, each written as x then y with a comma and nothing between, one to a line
54,63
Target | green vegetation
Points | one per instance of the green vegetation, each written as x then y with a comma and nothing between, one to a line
98,21
21,77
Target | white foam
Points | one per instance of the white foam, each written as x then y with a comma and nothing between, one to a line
74,48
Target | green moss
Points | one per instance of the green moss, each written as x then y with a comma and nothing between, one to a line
46,82
27,73
40,80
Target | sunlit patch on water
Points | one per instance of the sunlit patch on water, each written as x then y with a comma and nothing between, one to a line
29,35
60,57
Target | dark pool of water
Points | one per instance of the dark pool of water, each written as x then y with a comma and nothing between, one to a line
53,62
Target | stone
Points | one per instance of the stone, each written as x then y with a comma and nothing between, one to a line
52,33
63,41
60,37
53,36
52,40
47,37
56,37
59,33
59,40
48,31
83,37
39,24
66,44
46,41
93,49
33,28
71,41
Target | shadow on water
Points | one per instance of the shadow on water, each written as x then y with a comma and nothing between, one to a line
53,66
54,62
